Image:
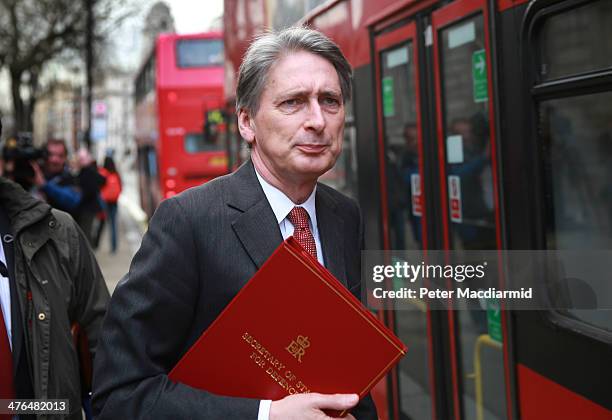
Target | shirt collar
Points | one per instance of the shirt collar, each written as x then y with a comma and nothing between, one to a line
282,205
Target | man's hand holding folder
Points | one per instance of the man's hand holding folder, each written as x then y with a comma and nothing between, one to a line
312,406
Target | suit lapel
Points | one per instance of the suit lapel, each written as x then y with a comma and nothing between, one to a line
257,229
331,233
255,224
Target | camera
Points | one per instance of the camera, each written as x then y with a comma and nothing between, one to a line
21,148
18,152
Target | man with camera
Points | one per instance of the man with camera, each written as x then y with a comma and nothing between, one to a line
49,281
56,185
77,195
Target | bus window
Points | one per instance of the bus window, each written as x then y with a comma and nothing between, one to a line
199,52
576,42
196,143
576,134
285,13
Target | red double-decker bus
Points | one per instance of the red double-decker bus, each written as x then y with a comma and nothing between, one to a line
178,94
474,125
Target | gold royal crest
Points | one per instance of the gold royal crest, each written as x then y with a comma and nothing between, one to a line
297,348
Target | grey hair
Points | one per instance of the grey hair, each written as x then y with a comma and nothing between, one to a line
267,48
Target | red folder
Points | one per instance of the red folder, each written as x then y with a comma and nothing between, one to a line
292,328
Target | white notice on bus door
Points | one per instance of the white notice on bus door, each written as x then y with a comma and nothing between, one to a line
454,196
417,203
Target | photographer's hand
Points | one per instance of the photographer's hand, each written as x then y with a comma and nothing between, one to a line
39,178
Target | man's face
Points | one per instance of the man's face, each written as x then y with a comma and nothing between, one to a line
297,131
56,158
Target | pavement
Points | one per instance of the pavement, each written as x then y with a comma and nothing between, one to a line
131,225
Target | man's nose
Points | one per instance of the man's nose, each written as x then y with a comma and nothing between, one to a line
315,119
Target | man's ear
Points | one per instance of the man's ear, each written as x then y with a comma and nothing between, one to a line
245,126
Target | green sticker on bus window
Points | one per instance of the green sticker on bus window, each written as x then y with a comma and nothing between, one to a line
387,97
494,320
479,76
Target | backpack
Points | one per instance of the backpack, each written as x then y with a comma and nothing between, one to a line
112,188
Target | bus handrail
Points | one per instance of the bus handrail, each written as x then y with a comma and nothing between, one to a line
482,340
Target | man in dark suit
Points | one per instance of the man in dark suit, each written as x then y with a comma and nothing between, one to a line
206,243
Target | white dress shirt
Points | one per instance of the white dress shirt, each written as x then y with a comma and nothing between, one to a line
5,297
281,206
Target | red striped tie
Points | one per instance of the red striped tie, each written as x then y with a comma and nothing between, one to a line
7,390
298,216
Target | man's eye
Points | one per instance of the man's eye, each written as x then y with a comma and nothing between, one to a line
290,103
330,101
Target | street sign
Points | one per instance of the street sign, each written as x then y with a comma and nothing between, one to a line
479,76
99,112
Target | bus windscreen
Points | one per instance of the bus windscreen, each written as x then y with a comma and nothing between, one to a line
196,143
199,52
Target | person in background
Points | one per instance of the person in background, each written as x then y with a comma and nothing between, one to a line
99,222
49,282
90,182
110,196
59,186
77,195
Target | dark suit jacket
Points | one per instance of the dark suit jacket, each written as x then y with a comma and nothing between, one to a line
201,248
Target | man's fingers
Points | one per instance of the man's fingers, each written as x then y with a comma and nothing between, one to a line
334,401
311,406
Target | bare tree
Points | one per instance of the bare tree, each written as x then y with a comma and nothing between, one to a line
34,32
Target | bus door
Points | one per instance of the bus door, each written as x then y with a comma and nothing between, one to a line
403,208
466,140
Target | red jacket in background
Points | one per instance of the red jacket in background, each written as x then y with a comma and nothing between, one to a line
112,188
